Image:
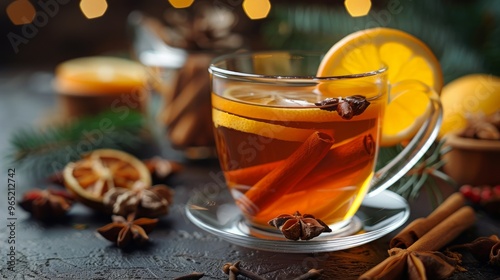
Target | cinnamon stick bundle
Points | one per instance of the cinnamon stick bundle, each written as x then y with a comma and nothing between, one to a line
421,226
285,176
421,260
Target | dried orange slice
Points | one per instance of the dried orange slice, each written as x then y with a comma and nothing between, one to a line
410,64
101,170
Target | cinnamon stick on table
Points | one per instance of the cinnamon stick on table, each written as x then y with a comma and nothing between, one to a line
421,258
419,227
287,174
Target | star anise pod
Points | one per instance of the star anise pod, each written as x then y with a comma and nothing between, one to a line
46,204
346,107
484,249
144,202
126,231
483,127
202,27
299,226
161,168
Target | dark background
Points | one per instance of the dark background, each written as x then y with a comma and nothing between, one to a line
465,34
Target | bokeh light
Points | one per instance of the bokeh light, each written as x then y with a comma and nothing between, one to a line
257,9
93,8
21,12
358,8
181,3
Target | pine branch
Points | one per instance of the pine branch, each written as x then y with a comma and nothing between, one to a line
48,150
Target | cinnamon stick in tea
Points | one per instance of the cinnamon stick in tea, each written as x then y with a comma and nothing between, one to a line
360,150
287,174
421,226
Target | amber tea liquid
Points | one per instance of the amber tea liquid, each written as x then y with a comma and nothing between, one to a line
280,153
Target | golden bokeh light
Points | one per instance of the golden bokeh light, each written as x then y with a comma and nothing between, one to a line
358,8
181,3
93,8
21,12
257,9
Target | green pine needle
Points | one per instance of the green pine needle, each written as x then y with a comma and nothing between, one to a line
46,151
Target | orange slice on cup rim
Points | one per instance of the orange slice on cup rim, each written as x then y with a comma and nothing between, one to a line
407,59
101,170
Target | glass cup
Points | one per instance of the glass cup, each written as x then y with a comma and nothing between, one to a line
289,141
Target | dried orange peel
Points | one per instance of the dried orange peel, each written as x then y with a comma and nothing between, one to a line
101,170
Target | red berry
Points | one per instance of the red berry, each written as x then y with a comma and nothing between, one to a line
486,193
496,190
476,195
466,191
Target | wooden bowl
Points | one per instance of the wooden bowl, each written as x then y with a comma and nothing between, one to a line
472,161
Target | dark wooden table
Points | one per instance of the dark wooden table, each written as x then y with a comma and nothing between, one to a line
73,250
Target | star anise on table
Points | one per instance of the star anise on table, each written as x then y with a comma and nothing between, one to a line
346,107
46,204
484,249
126,231
298,226
140,200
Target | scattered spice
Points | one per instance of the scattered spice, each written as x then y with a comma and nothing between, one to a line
421,260
311,274
480,126
346,107
46,204
484,249
233,270
144,202
191,276
297,226
161,168
125,231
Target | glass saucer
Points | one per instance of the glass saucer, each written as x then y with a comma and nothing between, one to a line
219,215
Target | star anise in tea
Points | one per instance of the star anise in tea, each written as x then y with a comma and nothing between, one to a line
298,226
144,202
46,204
127,231
346,107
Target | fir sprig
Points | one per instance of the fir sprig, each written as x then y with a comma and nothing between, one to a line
48,150
423,174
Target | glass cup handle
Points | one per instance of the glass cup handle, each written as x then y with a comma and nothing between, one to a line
417,147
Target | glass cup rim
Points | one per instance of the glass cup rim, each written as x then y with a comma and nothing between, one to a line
225,73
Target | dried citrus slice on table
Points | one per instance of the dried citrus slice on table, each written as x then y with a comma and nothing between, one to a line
101,170
409,62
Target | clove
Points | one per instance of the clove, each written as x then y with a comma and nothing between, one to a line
236,270
191,276
311,274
